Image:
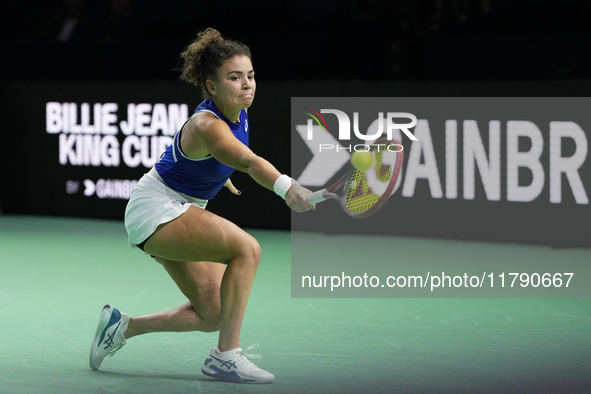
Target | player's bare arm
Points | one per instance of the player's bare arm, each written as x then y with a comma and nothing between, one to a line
207,135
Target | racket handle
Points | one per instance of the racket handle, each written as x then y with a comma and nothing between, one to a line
316,197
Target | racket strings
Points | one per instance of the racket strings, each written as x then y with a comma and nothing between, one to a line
358,195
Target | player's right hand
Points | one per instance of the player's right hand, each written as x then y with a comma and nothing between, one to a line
296,198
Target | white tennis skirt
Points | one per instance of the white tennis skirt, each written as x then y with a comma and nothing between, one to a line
152,203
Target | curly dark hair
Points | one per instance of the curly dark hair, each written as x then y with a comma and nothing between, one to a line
203,57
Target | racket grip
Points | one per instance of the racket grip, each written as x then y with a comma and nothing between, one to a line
316,197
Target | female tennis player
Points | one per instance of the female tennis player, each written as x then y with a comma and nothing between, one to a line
212,261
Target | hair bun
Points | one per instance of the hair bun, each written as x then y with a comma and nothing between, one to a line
210,36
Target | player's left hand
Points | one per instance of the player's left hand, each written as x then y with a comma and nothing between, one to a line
232,188
296,198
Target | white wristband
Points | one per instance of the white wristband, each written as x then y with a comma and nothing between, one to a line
282,185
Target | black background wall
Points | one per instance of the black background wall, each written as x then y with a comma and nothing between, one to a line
127,51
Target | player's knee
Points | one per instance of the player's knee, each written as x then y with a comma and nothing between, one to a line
256,250
211,323
208,313
249,252
210,317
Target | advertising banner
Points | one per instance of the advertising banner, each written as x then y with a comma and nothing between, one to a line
511,170
78,149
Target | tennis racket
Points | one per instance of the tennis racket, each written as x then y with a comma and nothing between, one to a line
363,193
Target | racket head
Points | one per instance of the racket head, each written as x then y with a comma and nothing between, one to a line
363,193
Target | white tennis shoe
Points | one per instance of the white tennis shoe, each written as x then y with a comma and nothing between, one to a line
234,366
109,336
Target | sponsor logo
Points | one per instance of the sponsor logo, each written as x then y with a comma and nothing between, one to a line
513,160
93,135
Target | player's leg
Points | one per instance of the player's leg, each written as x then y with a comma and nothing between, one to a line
199,235
200,283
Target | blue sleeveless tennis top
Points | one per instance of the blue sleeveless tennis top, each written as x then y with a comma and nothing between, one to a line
200,178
